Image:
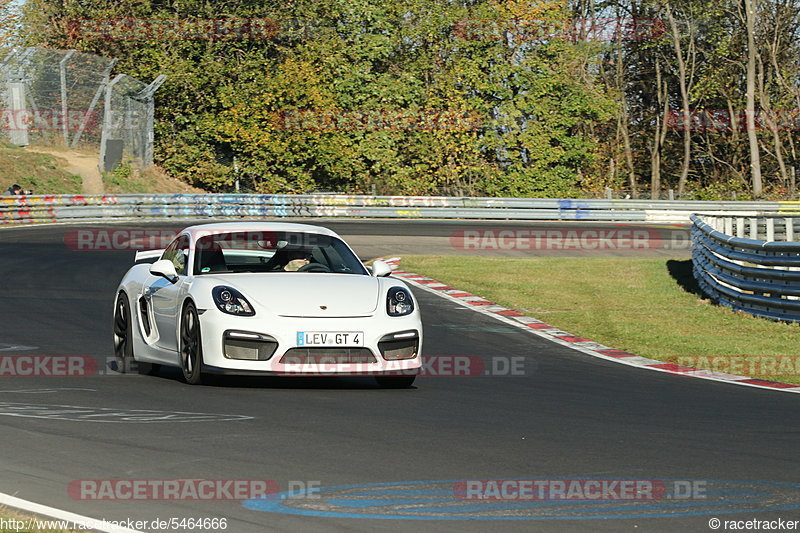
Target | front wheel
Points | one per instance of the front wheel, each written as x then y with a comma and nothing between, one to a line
395,382
123,334
191,345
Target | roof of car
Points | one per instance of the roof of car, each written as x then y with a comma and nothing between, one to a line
226,227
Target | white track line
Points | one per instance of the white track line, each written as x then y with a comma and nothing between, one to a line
76,521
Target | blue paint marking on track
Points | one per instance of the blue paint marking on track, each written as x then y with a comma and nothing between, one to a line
405,501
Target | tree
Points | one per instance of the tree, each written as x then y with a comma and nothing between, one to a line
750,110
9,22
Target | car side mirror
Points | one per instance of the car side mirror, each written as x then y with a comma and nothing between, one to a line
165,269
380,269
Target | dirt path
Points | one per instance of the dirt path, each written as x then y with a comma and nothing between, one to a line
80,164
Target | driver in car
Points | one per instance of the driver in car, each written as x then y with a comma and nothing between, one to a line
296,260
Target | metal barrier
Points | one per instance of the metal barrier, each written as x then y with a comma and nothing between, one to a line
76,208
53,97
764,226
755,276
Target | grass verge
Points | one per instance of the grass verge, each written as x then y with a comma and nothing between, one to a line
127,180
650,307
13,521
37,172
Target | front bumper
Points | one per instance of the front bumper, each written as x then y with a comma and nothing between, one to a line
339,360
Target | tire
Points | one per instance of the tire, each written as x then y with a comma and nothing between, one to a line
191,343
395,382
123,335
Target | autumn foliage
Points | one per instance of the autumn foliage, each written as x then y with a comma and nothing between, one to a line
498,98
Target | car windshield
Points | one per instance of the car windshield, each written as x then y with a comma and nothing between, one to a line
274,251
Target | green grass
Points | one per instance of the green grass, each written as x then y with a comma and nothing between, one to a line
123,180
8,515
36,172
650,307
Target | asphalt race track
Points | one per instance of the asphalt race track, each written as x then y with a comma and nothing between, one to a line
383,460
469,237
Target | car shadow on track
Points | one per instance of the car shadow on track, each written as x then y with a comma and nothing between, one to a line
272,382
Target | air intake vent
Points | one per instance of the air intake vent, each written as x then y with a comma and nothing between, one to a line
328,356
249,346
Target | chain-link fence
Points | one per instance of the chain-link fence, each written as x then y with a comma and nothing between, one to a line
128,120
67,98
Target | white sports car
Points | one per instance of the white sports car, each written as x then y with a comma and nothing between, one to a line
266,298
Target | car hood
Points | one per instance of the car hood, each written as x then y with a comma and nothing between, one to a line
309,294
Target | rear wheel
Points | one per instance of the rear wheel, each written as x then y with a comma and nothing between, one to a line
395,382
191,345
123,334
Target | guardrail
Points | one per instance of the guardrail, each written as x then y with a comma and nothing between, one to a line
76,208
759,277
764,226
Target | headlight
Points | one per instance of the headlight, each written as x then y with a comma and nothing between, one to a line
231,301
399,302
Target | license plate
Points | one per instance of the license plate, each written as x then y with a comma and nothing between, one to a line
330,338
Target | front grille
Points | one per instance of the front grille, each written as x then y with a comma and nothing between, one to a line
328,356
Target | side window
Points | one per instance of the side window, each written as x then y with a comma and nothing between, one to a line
178,253
169,252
